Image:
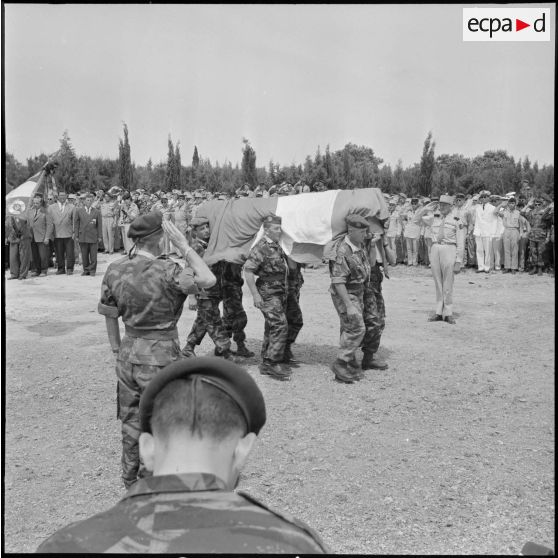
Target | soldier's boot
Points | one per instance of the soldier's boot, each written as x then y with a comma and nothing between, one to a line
243,351
275,370
533,271
224,353
343,373
371,363
540,271
289,358
188,350
355,367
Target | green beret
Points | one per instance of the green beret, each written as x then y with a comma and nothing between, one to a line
218,372
273,219
145,225
199,221
357,221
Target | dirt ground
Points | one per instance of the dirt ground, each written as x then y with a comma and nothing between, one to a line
449,451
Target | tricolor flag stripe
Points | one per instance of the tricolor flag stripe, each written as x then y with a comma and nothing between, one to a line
309,222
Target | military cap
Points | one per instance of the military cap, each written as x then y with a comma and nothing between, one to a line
435,198
357,221
218,372
145,225
444,198
38,195
114,191
414,200
181,195
199,221
273,219
426,200
402,195
71,196
460,196
512,199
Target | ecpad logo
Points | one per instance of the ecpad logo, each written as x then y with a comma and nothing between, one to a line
506,24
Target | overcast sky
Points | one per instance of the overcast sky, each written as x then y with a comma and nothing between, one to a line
287,77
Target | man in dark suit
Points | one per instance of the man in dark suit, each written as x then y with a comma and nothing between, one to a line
61,228
88,227
37,219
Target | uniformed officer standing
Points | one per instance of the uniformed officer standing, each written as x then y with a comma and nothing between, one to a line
208,319
200,418
445,255
268,261
535,214
350,271
147,290
511,221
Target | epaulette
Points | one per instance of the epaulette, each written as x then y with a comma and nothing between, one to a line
288,518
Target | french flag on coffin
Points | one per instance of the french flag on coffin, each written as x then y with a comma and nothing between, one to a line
19,199
309,222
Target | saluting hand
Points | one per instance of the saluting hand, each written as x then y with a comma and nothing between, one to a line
174,234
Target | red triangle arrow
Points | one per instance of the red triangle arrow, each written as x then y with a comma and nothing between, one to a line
519,25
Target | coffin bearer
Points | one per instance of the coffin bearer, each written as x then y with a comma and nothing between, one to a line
147,290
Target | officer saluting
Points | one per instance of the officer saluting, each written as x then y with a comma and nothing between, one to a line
200,418
147,290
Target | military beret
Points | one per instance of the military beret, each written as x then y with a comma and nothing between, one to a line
218,372
511,199
145,225
273,219
199,221
414,200
435,198
357,221
459,195
444,198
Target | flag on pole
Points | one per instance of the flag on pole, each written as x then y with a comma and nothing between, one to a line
309,222
19,199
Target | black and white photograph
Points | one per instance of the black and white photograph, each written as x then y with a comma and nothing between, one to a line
278,278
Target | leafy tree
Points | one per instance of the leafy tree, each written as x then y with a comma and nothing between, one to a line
195,158
67,169
427,166
16,173
249,174
125,171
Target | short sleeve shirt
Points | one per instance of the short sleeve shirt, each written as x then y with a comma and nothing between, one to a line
351,266
266,258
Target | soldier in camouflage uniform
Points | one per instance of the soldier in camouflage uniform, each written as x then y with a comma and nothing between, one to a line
268,261
208,319
147,290
295,280
350,272
535,214
234,315
197,411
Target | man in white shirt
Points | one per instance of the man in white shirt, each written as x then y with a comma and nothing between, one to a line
486,222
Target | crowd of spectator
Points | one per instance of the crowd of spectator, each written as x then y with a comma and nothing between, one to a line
501,233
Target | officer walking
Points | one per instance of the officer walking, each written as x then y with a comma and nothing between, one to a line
147,290
200,418
268,261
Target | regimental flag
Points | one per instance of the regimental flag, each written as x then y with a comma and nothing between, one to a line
309,222
19,199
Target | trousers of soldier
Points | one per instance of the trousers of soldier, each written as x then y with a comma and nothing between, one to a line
352,328
274,306
374,312
20,257
108,226
293,313
536,250
132,381
462,252
128,242
234,315
497,253
442,260
484,252
510,239
208,320
412,250
523,249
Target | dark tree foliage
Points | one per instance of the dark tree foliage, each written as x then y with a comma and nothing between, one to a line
427,166
125,169
249,174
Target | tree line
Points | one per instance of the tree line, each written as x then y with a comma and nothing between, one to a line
353,166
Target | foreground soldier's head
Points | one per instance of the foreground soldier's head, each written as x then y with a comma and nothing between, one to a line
200,414
272,227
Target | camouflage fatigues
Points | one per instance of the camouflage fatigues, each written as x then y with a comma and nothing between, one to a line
268,261
208,319
537,236
148,293
186,513
18,234
234,315
374,311
351,267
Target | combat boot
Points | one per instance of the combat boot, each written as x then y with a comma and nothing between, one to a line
355,368
188,351
275,370
226,354
288,357
371,363
243,351
540,271
343,373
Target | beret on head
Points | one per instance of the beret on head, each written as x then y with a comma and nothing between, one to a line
272,219
218,372
446,199
357,221
198,222
145,225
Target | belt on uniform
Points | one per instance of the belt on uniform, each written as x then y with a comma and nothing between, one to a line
444,243
152,333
